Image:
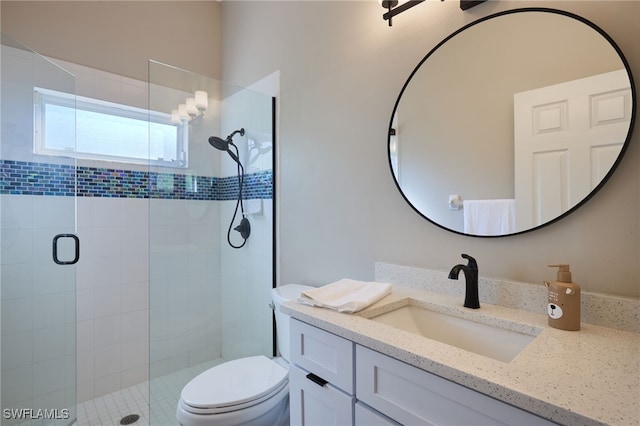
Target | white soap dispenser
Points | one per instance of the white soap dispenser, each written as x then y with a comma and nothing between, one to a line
563,307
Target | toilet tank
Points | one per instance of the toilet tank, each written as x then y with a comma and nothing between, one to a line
279,295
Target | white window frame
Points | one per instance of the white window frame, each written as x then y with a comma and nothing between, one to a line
42,97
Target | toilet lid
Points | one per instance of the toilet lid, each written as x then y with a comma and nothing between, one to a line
234,382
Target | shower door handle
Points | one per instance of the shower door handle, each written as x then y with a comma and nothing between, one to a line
76,242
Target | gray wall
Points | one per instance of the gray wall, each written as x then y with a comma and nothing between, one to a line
120,36
341,69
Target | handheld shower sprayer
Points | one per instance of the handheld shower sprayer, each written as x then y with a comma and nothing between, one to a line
225,145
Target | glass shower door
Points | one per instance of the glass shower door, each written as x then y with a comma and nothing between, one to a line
39,248
208,302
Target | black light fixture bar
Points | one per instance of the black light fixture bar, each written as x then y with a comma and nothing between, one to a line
468,4
393,11
405,6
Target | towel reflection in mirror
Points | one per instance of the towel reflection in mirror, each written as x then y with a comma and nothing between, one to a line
489,217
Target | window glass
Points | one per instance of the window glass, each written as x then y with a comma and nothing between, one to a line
107,131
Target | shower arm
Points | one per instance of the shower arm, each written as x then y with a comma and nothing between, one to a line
230,137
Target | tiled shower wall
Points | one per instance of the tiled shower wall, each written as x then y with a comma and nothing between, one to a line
112,275
112,287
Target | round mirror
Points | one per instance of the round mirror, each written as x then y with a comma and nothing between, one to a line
511,122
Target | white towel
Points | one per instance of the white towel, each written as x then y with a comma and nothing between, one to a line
489,217
345,295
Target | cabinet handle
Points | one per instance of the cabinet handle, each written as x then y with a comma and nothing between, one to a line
317,379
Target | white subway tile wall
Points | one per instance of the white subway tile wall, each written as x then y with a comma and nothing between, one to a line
112,282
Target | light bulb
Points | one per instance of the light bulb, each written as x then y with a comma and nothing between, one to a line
202,100
191,107
182,111
175,117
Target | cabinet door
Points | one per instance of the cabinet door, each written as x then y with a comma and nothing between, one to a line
413,396
322,353
367,416
313,404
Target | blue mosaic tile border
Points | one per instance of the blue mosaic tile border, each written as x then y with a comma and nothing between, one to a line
31,178
256,185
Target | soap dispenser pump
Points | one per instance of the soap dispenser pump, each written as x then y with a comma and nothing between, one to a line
563,307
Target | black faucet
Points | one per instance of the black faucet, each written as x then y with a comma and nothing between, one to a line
471,299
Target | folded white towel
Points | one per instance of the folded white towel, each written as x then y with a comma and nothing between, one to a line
345,295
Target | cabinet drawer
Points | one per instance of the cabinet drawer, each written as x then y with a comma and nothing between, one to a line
367,416
413,396
323,354
314,404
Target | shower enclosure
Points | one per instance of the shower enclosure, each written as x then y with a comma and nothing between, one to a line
208,302
38,251
158,295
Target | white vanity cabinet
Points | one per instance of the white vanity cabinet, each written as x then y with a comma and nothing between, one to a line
334,381
321,377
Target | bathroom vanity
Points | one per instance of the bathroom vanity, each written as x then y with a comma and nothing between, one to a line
379,388
353,369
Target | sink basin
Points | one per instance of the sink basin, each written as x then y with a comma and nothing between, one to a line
491,341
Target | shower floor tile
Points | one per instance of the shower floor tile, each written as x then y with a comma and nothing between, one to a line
108,410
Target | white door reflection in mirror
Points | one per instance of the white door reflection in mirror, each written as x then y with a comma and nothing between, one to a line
567,138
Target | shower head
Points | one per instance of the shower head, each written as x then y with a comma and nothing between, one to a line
223,144
219,143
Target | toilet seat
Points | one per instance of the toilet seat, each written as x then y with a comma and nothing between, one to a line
234,385
230,408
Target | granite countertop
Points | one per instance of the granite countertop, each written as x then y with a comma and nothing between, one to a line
586,377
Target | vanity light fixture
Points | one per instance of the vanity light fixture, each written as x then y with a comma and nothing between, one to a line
192,108
393,9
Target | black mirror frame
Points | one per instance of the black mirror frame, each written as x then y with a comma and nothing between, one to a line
391,130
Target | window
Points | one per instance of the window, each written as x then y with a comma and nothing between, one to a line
106,131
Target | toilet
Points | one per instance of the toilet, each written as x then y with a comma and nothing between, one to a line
246,391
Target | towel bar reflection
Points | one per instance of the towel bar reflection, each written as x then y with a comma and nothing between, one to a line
455,202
